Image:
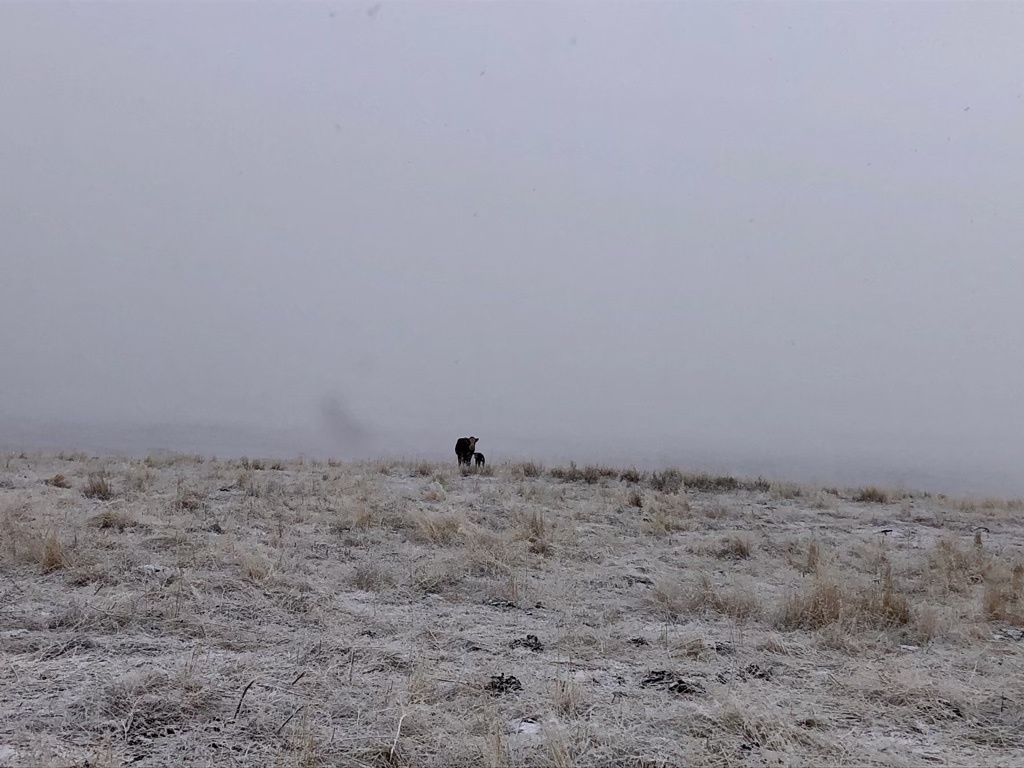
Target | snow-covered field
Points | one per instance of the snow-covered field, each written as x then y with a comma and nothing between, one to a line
181,611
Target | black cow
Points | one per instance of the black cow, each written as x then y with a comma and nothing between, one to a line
479,459
465,447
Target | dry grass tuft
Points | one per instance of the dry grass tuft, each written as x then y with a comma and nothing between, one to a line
737,602
667,481
702,481
740,727
187,499
436,577
113,519
255,568
58,481
589,474
536,532
98,487
814,561
735,547
882,606
490,554
787,491
815,607
990,505
508,591
668,599
437,529
434,492
26,545
928,625
51,553
632,475
672,600
527,469
371,577
826,603
953,569
568,699
142,706
667,515
1001,594
871,495
363,516
140,479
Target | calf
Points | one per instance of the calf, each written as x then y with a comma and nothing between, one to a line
479,459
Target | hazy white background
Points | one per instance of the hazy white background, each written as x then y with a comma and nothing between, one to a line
782,237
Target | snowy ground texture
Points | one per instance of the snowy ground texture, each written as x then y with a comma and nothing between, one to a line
182,611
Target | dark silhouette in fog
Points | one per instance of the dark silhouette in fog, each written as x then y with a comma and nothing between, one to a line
464,449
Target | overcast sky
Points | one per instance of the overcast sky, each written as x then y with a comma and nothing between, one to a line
792,228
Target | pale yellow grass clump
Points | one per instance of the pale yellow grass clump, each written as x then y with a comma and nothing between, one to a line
828,601
98,487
